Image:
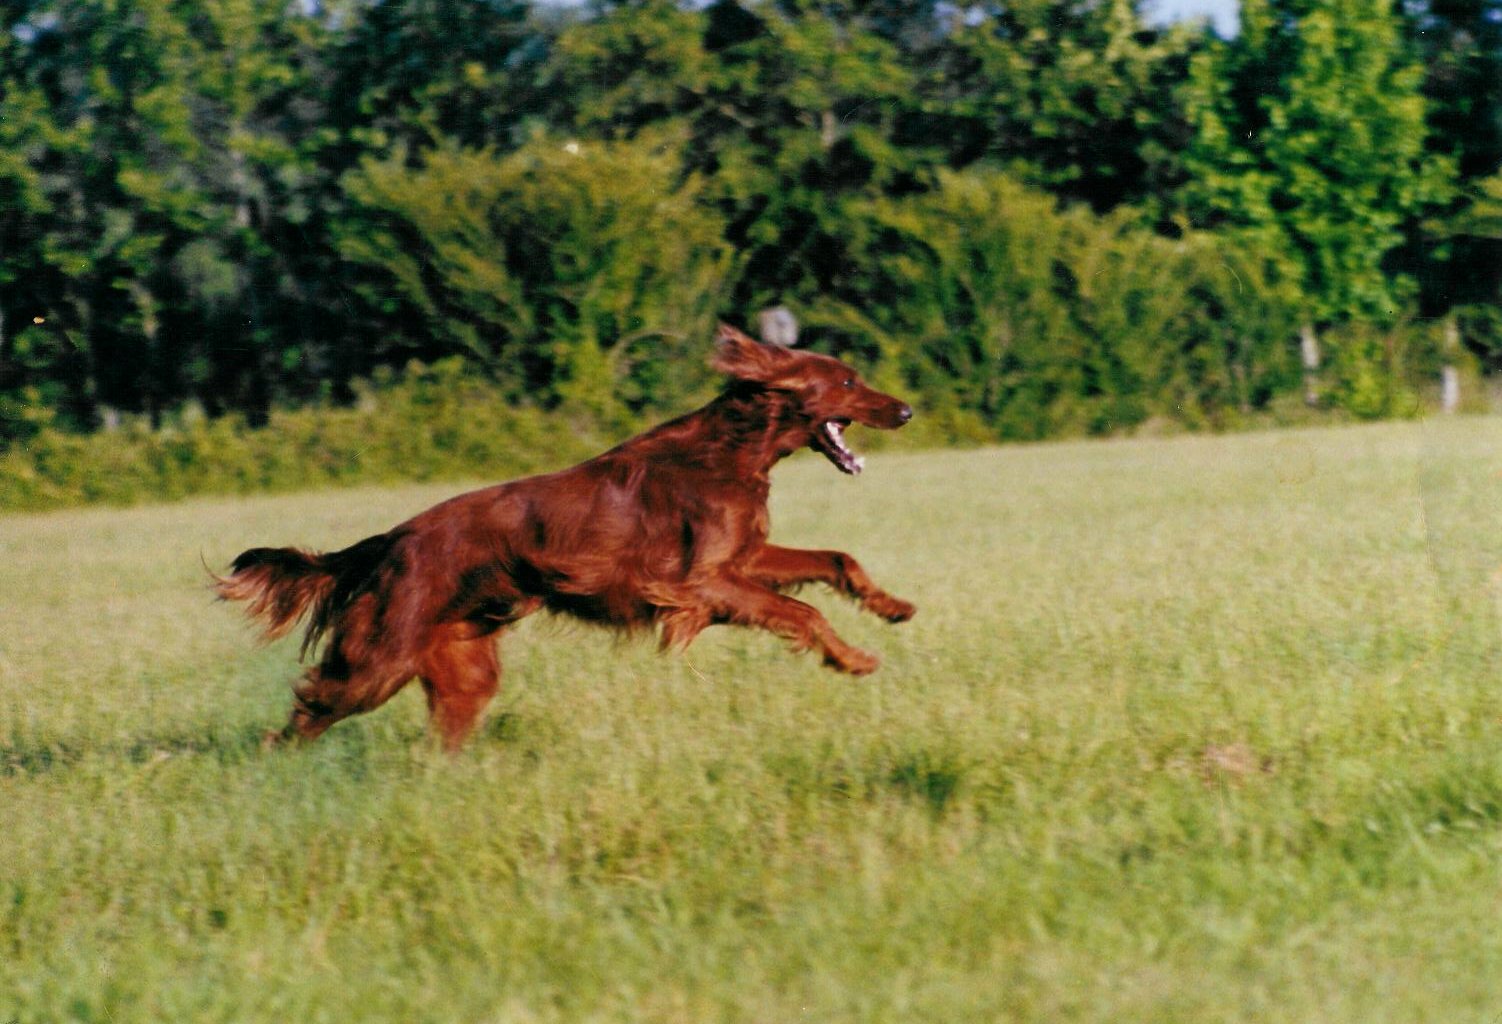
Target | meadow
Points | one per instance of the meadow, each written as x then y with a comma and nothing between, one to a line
1200,729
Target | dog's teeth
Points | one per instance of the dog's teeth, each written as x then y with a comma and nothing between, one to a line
846,459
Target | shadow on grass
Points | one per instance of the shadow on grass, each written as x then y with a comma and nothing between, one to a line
38,758
929,777
42,756
502,727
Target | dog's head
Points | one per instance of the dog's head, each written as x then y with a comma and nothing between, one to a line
826,396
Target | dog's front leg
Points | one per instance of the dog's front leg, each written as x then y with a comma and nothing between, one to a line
733,598
788,567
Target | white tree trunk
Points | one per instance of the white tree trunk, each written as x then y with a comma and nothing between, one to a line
1449,375
1309,349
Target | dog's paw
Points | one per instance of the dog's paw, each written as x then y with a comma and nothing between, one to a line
893,609
853,661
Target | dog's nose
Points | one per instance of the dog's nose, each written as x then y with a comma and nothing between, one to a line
905,413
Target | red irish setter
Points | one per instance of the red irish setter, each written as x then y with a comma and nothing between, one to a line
668,529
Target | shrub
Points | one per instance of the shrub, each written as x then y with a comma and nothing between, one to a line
1046,321
436,422
578,274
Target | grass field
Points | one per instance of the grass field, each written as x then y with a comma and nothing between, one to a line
1199,729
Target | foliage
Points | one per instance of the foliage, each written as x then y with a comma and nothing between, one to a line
1472,272
166,182
244,205
1076,97
1456,253
437,422
1459,45
1369,370
582,273
1043,321
1289,118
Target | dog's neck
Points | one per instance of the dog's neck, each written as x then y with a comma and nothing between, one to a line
754,427
760,425
740,435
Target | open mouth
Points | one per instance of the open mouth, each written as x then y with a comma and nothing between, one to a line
829,438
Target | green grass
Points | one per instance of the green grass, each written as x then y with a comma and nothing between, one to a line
1200,729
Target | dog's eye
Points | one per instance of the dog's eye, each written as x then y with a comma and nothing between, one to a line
848,382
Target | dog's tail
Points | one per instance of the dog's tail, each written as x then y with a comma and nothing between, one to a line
284,585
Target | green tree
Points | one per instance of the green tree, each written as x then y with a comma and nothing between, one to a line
1311,140
241,266
1455,254
581,273
38,374
165,174
790,109
1036,320
1459,45
1310,133
1079,98
1475,231
409,72
83,70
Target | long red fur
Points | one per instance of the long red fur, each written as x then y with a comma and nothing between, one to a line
667,530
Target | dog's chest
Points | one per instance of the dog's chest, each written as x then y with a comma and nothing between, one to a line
718,533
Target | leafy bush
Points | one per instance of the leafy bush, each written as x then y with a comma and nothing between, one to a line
436,422
581,274
1368,370
1004,317
1045,321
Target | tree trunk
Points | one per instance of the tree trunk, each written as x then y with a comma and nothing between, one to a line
85,392
1239,377
146,305
1449,374
1309,349
828,130
240,182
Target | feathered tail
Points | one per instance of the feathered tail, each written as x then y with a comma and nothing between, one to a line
284,585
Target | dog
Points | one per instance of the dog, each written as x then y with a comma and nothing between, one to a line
667,530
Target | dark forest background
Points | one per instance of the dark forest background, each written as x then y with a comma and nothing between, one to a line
1039,218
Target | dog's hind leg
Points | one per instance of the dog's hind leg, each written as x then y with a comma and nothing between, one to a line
362,668
333,691
459,676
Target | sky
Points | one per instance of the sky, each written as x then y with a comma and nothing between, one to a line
1221,12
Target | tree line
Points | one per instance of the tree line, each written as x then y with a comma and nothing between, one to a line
1041,217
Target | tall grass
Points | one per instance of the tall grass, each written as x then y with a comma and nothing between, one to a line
1200,729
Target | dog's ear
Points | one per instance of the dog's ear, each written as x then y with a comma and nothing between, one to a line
741,356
